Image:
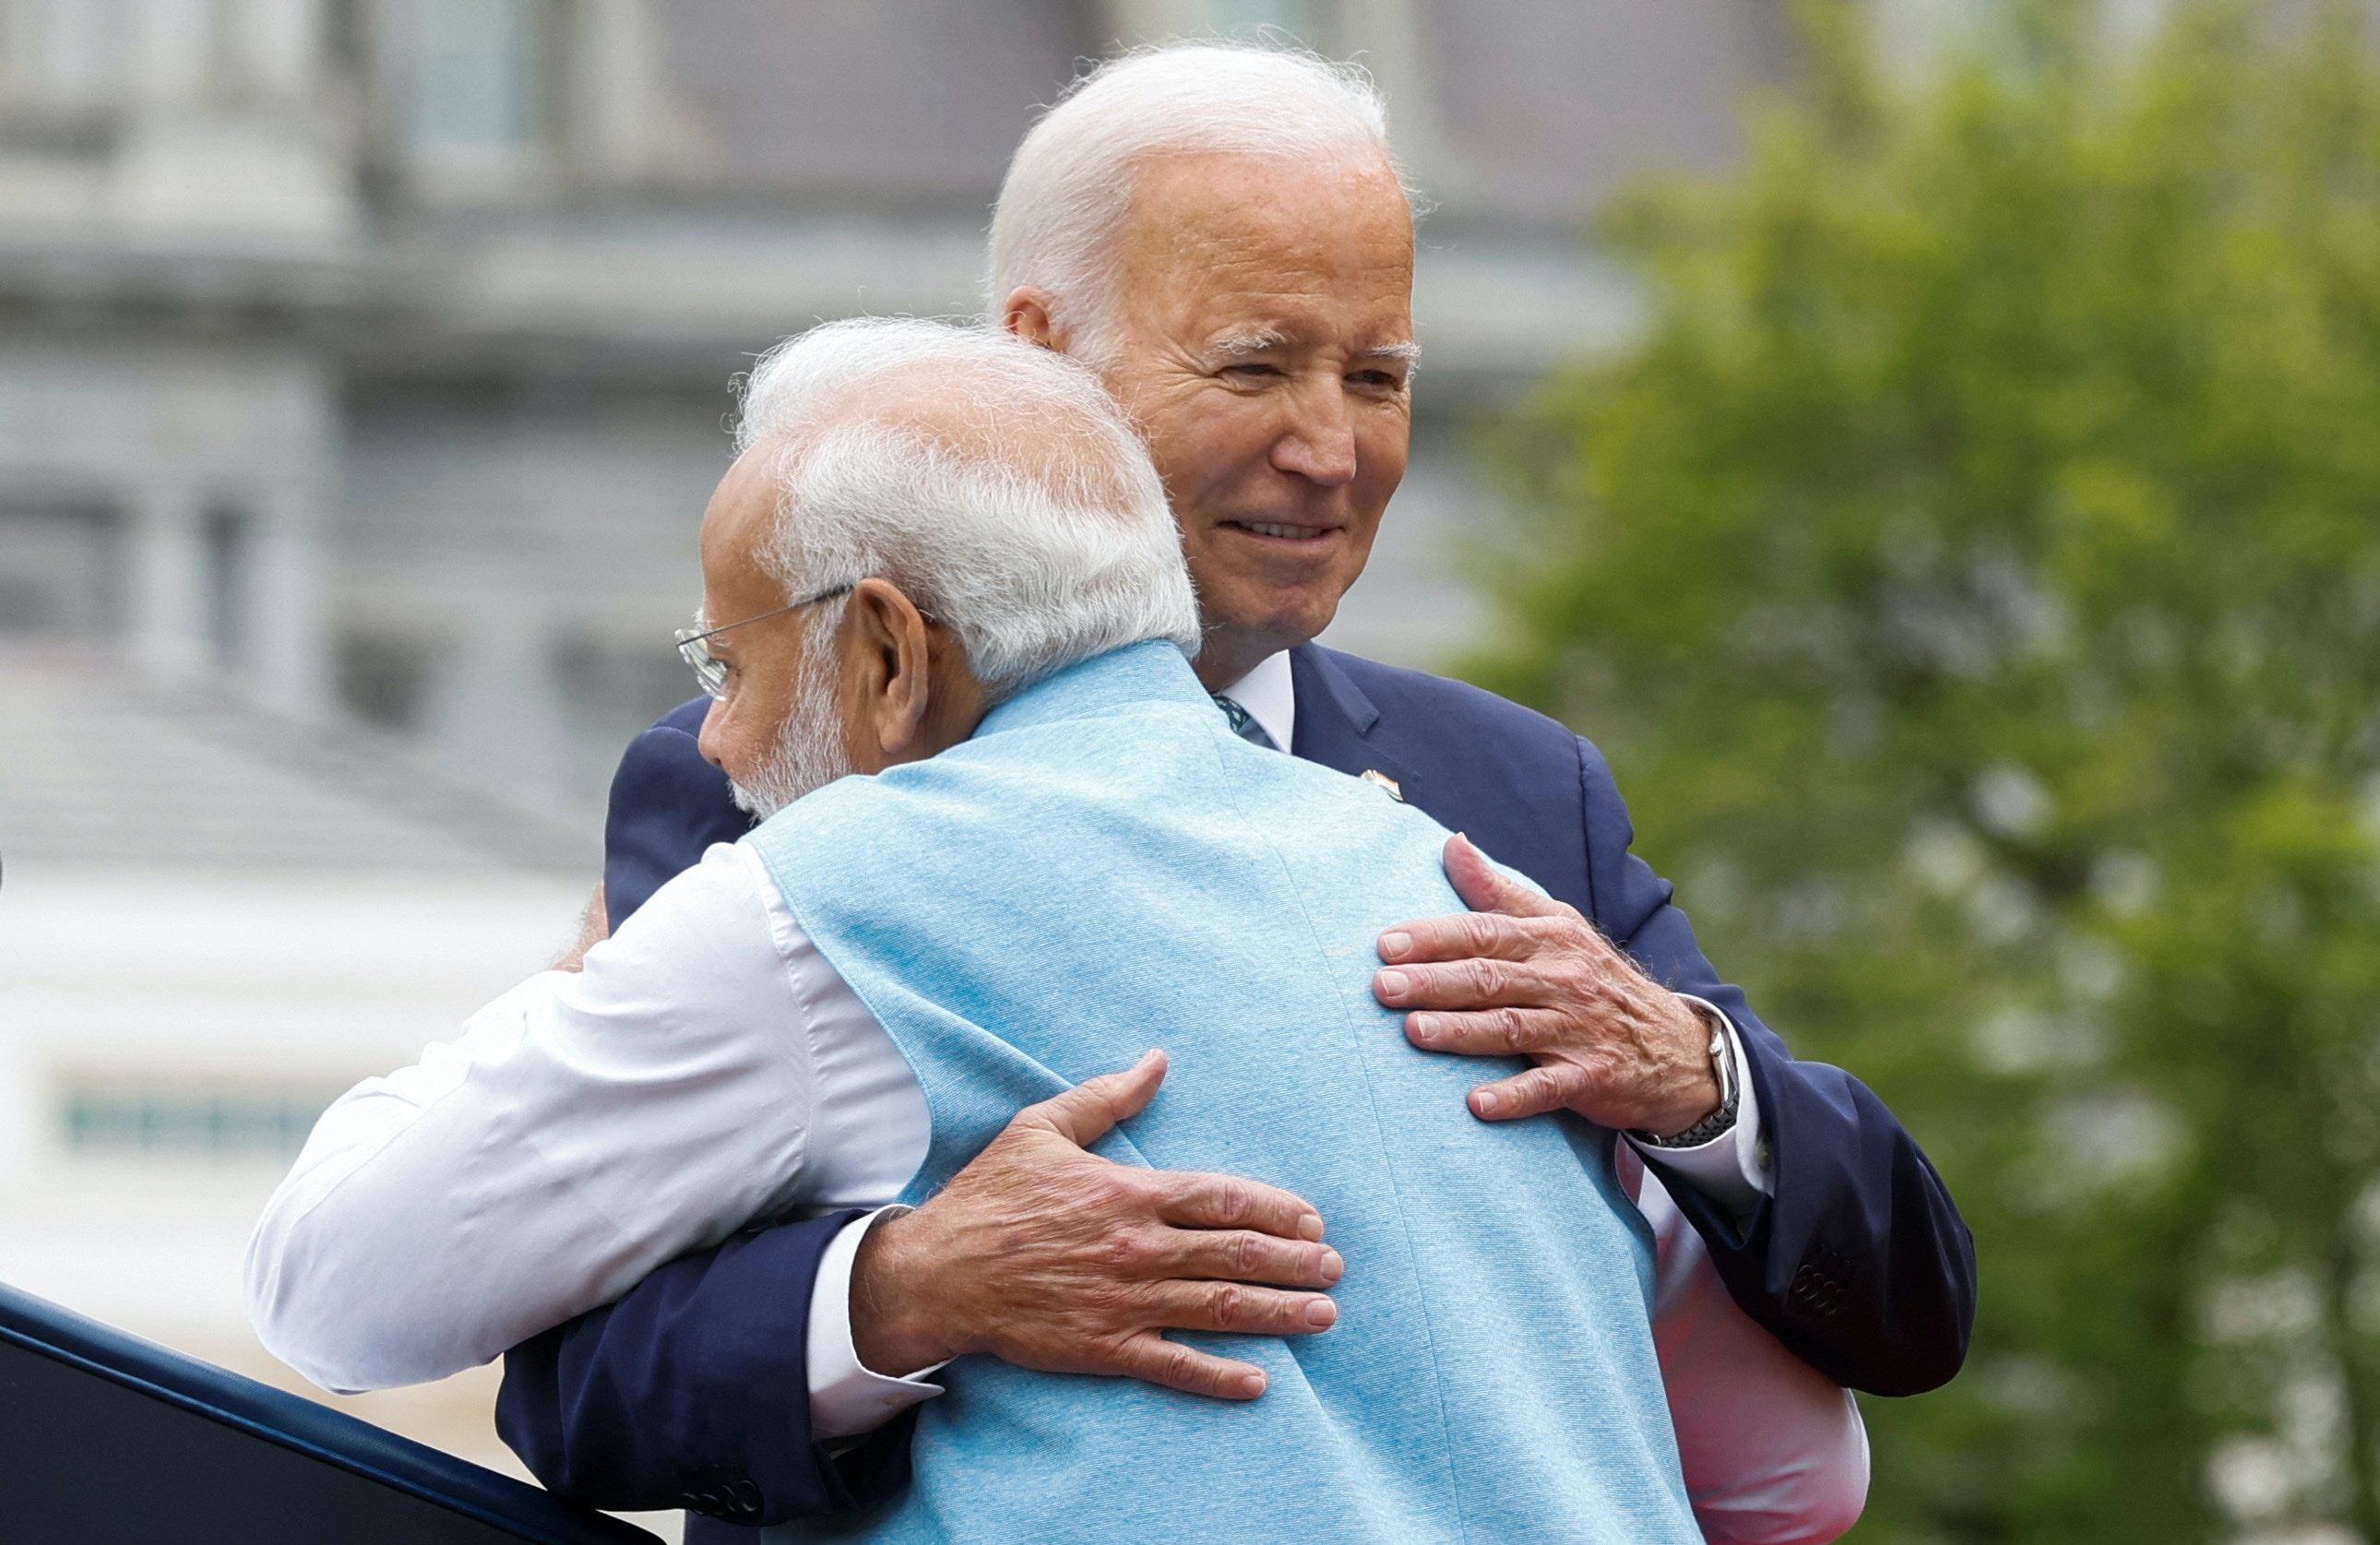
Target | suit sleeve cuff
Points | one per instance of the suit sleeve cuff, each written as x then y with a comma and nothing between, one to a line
1733,1168
847,1399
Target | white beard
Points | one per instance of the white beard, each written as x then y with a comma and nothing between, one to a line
809,753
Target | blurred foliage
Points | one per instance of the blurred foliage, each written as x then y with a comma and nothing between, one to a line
1973,575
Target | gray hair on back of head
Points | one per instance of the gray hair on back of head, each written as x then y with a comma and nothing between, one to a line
996,483
1069,186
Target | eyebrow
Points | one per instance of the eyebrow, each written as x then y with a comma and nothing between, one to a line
1239,345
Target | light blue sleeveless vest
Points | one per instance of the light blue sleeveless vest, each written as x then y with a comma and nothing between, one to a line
1105,868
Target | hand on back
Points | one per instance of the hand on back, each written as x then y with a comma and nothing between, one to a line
1049,1257
1524,975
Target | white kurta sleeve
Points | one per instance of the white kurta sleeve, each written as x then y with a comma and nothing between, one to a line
583,1129
1774,1452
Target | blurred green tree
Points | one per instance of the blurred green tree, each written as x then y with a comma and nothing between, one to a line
1974,574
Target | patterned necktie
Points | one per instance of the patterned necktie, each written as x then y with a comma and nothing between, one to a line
1243,723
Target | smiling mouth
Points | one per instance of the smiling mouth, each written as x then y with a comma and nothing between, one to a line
1286,533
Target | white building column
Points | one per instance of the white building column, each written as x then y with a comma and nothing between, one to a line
287,639
168,590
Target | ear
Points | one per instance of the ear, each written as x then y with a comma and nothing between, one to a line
1027,315
887,676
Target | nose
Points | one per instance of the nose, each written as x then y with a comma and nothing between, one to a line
707,740
1318,442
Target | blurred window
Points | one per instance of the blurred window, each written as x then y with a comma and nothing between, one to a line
385,678
863,99
230,563
264,1122
613,688
619,685
59,571
478,68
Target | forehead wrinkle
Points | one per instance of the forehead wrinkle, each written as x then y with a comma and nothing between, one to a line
1167,222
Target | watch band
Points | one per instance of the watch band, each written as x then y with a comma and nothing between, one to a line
1720,1121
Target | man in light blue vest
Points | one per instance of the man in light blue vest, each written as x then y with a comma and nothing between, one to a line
944,563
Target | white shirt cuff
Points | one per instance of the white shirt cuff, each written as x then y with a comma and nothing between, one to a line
847,1399
1733,1168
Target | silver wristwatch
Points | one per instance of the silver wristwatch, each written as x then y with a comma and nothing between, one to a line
1720,1121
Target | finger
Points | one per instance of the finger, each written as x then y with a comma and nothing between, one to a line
1499,1033
1152,1359
1189,1200
1486,888
1554,1087
1478,983
1233,1255
1237,1311
1085,1113
1461,936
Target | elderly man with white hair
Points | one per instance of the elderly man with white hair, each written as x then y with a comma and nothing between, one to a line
952,570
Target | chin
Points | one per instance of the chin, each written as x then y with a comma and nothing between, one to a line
1267,603
1309,608
1287,627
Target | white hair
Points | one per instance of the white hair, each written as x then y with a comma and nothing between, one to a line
809,751
997,483
1069,187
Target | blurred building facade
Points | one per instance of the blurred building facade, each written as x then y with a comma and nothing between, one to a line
370,356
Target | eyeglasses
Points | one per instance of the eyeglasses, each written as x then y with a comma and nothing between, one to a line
708,669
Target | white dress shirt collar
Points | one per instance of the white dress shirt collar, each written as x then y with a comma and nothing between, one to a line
1269,695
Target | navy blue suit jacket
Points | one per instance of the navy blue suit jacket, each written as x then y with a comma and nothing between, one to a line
692,1388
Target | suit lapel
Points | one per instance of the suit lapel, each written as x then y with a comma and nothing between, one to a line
1336,720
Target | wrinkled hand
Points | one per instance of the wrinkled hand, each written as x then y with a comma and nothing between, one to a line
1522,975
1045,1256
